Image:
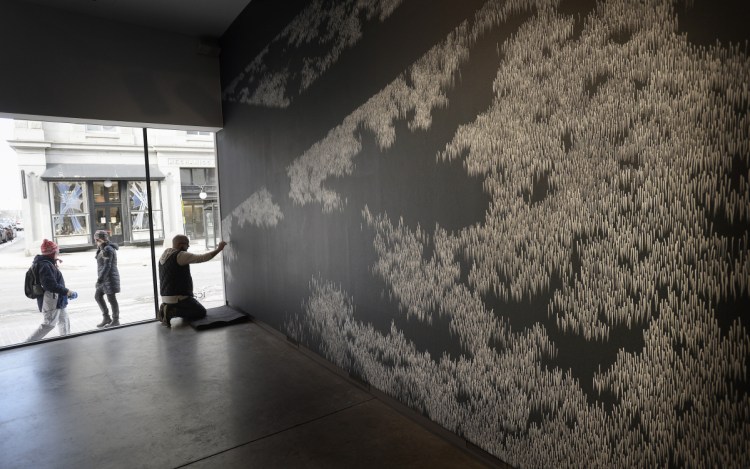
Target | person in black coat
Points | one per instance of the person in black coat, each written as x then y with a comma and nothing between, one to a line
54,302
108,279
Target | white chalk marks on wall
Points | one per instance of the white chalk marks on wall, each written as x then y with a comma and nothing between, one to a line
258,210
622,146
330,26
333,156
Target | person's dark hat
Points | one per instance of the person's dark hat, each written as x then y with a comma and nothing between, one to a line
101,234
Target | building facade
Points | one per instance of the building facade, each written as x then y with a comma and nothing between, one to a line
80,178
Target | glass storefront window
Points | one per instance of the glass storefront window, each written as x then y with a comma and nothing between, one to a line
158,229
197,176
138,204
186,176
70,225
71,212
93,180
102,193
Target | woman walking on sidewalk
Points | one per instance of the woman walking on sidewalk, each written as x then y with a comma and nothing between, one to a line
108,279
55,299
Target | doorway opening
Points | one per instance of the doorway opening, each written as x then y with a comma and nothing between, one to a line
106,209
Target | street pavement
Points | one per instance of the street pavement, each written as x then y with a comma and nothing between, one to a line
19,316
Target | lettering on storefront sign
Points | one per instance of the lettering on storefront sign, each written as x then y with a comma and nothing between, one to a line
182,162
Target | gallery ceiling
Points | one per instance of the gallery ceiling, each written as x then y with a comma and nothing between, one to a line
198,18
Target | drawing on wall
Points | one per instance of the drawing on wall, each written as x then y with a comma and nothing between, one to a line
617,159
334,26
258,210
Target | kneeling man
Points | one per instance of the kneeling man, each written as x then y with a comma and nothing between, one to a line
176,283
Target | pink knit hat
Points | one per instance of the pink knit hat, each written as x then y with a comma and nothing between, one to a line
49,248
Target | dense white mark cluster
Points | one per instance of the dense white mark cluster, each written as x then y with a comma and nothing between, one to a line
335,26
258,210
611,160
627,196
333,156
229,254
430,77
319,162
332,311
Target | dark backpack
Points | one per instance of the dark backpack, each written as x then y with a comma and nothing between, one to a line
31,286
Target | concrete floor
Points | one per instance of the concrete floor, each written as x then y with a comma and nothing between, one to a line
146,396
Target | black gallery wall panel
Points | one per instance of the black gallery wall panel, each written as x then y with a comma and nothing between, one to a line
527,220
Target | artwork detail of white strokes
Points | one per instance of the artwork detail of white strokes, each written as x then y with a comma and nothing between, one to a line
333,26
258,210
638,134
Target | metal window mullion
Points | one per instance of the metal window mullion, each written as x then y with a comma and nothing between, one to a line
150,219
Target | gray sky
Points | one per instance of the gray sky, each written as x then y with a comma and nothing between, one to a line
10,179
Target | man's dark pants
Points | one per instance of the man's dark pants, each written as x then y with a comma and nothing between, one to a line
190,309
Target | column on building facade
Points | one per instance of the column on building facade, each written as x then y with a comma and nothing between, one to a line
30,145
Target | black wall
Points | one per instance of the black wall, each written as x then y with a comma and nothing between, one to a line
529,223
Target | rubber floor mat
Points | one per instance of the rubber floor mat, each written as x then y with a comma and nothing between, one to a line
220,317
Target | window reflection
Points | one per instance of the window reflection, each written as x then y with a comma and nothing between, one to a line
69,220
138,203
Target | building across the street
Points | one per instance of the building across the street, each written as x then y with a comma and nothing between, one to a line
79,178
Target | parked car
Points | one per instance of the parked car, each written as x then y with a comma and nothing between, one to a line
19,225
7,232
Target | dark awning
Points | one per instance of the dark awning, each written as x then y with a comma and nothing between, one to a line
114,172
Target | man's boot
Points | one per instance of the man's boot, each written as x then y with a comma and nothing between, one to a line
105,320
169,312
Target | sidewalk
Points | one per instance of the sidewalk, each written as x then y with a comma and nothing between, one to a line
19,316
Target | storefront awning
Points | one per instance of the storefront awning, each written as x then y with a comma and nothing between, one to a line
114,172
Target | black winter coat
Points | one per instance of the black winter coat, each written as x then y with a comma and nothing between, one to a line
51,280
108,277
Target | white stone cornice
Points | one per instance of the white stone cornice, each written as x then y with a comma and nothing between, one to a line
97,148
164,150
28,145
